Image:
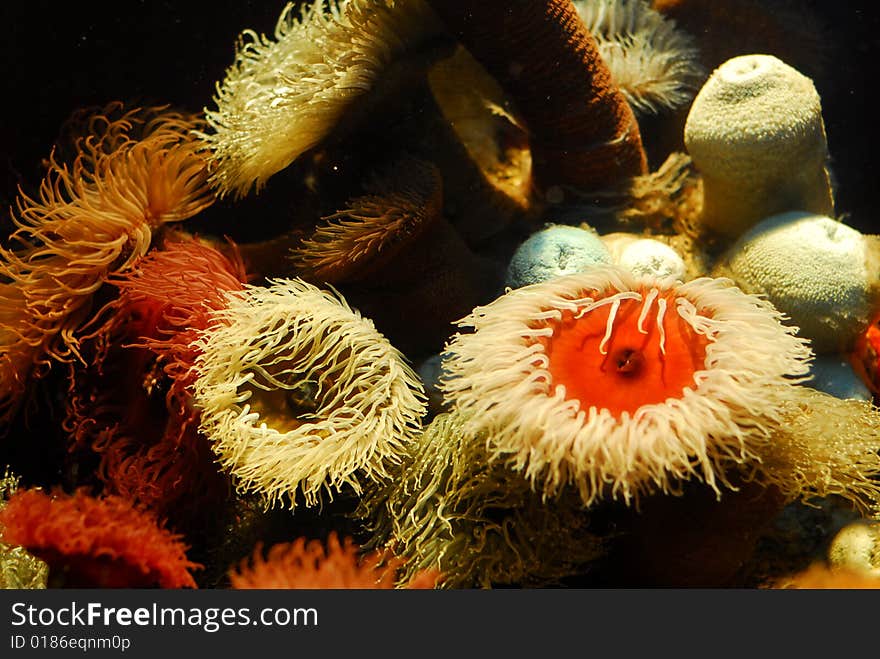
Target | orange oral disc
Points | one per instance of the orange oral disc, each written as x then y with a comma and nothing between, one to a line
634,366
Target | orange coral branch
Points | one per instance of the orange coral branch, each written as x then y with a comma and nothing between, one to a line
582,131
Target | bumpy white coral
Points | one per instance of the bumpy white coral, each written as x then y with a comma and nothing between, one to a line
813,269
756,135
282,96
655,65
298,392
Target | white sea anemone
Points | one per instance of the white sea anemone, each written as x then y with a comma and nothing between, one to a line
655,64
283,95
604,379
298,392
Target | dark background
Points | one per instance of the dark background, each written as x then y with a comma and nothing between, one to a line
60,56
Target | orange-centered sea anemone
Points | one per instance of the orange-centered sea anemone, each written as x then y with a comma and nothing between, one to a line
605,379
298,392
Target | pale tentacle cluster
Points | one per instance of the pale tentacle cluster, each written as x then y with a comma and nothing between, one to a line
368,402
499,378
655,64
283,95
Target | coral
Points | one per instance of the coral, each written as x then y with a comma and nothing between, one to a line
299,393
283,95
654,63
813,269
554,251
310,565
95,542
622,385
756,135
132,174
582,132
451,507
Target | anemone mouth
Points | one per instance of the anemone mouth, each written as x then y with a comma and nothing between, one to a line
624,350
622,385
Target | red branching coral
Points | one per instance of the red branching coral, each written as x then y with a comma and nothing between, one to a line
306,564
130,404
92,218
96,542
581,129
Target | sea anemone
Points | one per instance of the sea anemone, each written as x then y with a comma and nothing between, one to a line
756,135
814,269
95,542
309,564
451,508
132,174
282,96
582,132
299,393
645,256
392,249
131,403
18,568
822,577
856,547
607,379
655,64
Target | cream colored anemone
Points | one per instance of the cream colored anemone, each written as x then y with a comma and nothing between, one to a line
606,380
655,64
283,95
298,392
451,508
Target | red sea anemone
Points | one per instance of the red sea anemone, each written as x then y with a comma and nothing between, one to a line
604,379
95,542
92,218
130,403
310,565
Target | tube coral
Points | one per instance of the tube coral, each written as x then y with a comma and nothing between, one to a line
92,218
582,132
756,135
284,95
655,64
299,393
604,379
310,564
95,542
